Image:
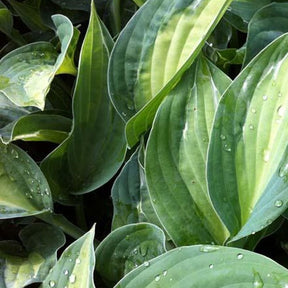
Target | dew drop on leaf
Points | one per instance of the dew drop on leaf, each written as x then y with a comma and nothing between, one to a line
266,155
265,97
66,272
164,273
283,171
52,283
222,137
281,111
208,248
211,266
253,110
78,261
278,203
258,282
251,127
72,278
240,256
157,278
146,263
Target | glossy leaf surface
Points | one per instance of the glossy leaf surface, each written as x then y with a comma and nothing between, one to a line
126,248
176,157
75,266
27,72
21,266
24,190
247,160
207,266
38,127
96,146
166,32
267,24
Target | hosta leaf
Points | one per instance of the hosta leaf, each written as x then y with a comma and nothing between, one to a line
96,146
176,157
166,32
24,190
267,24
126,195
127,247
21,266
29,13
247,160
9,112
38,127
74,4
27,72
75,266
207,266
130,196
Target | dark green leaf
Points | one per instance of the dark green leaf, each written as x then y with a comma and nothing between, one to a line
96,146
127,247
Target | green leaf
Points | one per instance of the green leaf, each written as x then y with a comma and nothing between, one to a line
24,266
160,32
75,266
267,24
130,196
27,72
74,4
247,159
176,157
127,247
96,146
139,2
29,13
24,190
38,126
207,266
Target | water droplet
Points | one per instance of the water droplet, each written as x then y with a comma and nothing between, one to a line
253,110
78,261
211,266
14,153
27,172
157,278
266,155
251,127
222,137
227,148
208,248
258,282
146,263
193,181
135,251
240,256
72,278
278,203
265,97
165,273
46,191
253,233
281,111
66,272
124,114
130,107
279,94
52,283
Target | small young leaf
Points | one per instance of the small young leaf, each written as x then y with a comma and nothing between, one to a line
127,247
75,266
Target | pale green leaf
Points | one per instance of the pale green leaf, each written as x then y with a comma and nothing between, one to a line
152,52
176,157
207,266
27,72
76,265
247,159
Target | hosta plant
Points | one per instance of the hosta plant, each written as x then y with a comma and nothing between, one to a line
143,143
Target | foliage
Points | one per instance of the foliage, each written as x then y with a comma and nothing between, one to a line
165,122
